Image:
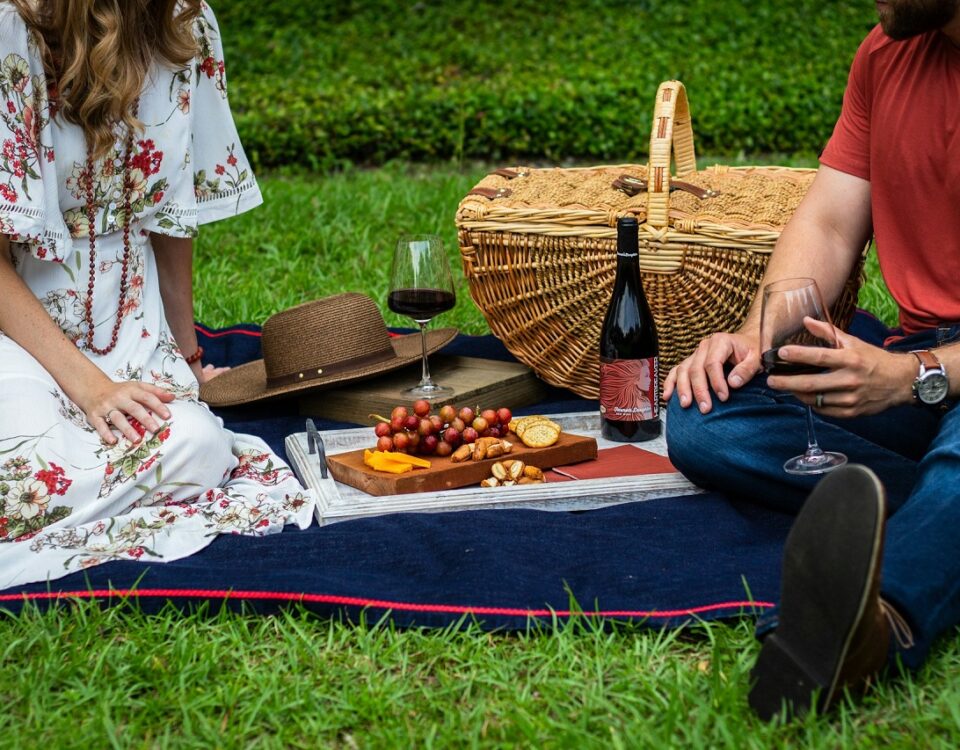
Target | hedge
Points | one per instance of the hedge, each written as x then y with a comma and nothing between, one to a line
317,84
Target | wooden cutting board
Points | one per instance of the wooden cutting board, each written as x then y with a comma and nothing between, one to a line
443,474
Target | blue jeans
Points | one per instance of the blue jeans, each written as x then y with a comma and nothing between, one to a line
740,446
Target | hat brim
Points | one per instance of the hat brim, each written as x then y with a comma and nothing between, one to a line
247,383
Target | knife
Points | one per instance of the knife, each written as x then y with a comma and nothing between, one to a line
323,484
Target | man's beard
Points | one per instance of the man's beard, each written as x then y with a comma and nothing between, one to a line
907,18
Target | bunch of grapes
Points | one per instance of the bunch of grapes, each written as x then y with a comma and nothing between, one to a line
441,433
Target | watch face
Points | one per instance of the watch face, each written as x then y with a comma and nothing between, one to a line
932,389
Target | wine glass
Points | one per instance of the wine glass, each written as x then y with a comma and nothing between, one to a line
787,304
421,287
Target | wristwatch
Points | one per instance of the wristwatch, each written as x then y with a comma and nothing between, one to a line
931,385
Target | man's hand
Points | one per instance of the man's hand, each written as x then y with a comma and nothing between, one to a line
693,378
861,379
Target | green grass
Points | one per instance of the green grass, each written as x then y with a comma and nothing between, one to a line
93,678
88,678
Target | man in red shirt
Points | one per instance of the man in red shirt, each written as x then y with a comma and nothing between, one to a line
850,605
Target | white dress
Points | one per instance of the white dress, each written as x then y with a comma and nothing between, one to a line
67,500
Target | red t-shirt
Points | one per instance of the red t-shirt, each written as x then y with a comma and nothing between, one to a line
900,129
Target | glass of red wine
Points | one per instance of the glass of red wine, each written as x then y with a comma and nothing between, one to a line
421,287
787,306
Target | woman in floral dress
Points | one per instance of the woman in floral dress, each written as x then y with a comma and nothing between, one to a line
115,149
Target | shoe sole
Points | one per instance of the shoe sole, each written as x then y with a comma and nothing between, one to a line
830,557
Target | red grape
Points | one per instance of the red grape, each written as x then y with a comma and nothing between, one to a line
385,444
396,424
411,422
447,414
421,408
480,424
429,444
504,415
436,422
490,415
399,412
414,438
425,427
466,414
401,442
458,424
382,429
444,449
451,436
493,432
469,435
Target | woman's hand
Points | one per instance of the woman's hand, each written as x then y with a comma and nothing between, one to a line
206,372
114,404
703,370
860,378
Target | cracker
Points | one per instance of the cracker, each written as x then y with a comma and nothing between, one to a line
540,435
527,422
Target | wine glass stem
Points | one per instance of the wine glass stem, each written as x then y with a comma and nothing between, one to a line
813,449
425,372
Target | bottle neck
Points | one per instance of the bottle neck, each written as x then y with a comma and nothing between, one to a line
628,265
628,259
628,279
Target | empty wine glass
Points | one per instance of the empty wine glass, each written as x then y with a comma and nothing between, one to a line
786,306
421,287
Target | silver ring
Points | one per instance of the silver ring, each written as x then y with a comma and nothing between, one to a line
819,401
106,417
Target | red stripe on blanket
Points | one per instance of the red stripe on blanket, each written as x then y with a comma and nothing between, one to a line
353,601
227,332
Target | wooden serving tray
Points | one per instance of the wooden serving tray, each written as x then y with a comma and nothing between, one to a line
443,474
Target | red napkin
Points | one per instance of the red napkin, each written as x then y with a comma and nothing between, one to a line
622,461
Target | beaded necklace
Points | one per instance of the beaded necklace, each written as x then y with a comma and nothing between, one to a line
91,220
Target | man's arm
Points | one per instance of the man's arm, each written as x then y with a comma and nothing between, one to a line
822,240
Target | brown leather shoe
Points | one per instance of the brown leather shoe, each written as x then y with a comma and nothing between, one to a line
834,632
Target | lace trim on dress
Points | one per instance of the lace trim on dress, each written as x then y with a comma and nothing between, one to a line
33,213
43,242
179,212
210,197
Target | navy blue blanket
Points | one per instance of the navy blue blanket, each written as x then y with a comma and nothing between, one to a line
663,562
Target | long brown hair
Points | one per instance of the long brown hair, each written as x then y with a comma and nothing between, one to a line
98,53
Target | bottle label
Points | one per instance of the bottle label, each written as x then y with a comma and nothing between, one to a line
629,389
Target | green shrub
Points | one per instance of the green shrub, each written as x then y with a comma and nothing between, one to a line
319,84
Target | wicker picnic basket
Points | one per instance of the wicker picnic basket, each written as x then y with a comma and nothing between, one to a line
539,248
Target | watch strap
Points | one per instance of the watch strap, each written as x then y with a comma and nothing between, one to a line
928,360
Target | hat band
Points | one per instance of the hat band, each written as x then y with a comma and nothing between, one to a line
337,368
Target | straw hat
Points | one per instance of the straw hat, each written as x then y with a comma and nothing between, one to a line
317,344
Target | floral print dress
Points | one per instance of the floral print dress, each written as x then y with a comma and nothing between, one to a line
67,500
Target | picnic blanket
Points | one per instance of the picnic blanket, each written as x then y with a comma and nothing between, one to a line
663,562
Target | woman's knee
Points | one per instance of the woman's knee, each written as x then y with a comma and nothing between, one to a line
197,449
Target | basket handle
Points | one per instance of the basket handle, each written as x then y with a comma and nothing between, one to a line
670,134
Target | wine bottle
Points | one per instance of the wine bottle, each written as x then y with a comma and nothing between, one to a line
629,352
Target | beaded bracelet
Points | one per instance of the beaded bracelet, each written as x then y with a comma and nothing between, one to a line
195,357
